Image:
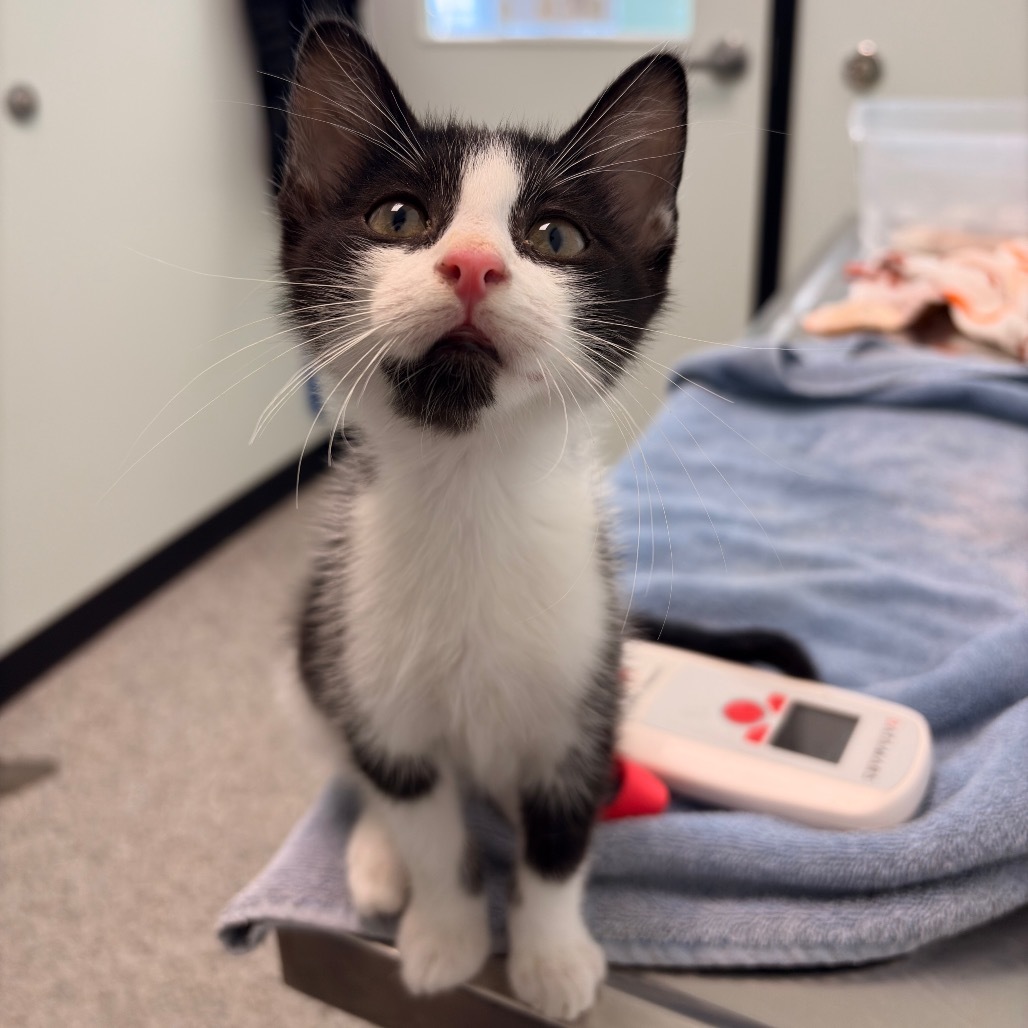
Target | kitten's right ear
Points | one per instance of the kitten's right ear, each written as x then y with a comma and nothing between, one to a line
343,105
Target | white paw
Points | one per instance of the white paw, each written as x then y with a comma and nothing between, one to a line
377,877
558,978
442,945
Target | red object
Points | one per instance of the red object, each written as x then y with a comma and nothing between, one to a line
640,792
776,701
757,733
743,712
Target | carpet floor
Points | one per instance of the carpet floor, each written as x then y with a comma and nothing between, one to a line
178,774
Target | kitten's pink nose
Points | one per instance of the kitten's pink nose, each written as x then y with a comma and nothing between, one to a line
471,272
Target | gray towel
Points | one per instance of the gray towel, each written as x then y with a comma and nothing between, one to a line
876,508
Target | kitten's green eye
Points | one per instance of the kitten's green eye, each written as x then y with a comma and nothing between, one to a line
398,219
555,237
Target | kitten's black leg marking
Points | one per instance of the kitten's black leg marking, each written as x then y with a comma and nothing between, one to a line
472,875
399,778
557,830
558,816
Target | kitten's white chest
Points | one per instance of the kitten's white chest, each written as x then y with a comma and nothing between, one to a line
478,612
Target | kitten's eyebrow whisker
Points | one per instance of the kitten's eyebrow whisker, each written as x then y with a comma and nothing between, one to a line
388,114
626,299
587,125
382,110
411,134
622,143
345,109
332,124
614,164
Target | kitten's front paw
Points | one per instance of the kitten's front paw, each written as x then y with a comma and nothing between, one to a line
442,945
377,877
559,978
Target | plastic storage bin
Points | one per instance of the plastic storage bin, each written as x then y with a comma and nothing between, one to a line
951,164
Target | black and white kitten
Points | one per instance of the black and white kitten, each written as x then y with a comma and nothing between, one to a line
456,288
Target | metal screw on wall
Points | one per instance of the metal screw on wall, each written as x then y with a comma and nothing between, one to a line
863,68
22,102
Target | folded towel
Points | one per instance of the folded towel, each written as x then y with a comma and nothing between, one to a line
874,505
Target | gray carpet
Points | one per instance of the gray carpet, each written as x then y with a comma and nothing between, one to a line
178,775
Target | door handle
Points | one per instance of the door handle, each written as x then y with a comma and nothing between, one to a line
727,60
22,102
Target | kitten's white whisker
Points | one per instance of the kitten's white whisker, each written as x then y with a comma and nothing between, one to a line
411,147
587,124
636,353
372,364
342,107
317,418
691,339
305,373
620,143
332,124
667,410
607,399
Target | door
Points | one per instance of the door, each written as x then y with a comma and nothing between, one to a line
925,48
540,81
135,186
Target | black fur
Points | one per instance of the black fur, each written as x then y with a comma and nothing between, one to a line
744,646
472,874
558,813
557,831
588,175
400,778
615,176
444,391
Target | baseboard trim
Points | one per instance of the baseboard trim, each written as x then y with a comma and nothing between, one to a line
24,664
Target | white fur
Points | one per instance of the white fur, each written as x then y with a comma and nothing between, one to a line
377,876
554,963
444,933
483,546
476,607
528,317
490,564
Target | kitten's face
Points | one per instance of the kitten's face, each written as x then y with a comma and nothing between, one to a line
449,274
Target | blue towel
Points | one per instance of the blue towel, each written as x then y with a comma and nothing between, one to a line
872,501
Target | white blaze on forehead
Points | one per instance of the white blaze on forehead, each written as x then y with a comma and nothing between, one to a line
490,186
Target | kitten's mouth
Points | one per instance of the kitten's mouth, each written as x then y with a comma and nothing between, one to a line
464,342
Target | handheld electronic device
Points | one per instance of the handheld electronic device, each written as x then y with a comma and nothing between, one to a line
756,740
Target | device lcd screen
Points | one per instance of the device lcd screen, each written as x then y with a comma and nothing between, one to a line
814,732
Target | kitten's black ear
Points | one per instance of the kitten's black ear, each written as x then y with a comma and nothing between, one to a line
344,106
634,138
